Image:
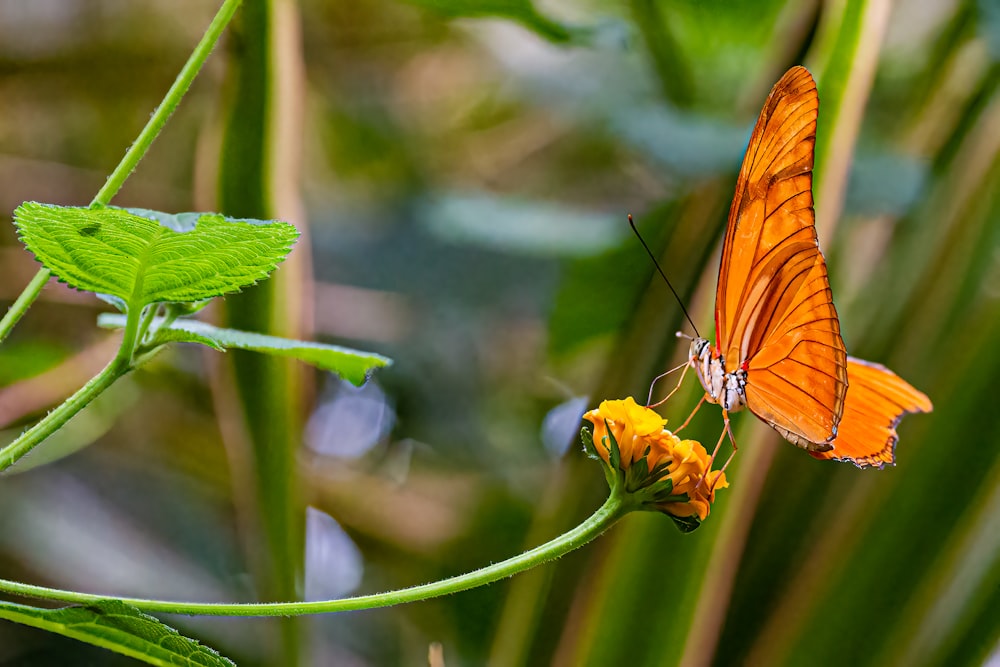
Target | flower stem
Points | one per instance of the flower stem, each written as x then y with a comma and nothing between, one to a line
616,506
136,151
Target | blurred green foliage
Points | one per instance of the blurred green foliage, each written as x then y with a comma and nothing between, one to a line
438,139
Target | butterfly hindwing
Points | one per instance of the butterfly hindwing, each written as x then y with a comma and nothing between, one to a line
876,401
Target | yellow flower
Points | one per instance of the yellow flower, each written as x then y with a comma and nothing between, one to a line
668,474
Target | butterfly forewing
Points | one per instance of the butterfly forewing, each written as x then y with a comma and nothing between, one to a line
774,311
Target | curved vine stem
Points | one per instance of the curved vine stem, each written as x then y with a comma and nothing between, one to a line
617,505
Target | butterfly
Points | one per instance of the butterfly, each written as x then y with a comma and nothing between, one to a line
779,351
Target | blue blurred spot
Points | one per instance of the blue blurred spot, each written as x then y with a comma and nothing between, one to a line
352,422
561,426
334,564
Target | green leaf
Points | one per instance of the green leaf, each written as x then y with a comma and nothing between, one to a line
121,628
352,365
143,257
172,334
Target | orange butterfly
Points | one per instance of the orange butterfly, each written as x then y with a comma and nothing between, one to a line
779,349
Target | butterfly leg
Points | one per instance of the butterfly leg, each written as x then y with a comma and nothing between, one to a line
726,431
649,399
693,413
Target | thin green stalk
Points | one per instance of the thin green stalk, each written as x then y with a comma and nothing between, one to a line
173,97
616,506
130,335
136,151
52,422
147,319
20,307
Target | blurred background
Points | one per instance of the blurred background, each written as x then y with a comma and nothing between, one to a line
466,169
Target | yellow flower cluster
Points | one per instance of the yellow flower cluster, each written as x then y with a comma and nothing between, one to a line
648,454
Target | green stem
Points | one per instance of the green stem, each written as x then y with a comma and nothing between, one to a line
147,319
136,151
52,422
173,97
20,307
130,336
616,506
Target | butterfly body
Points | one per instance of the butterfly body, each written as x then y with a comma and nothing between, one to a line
727,389
779,350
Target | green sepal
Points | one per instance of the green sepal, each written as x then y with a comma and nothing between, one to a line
686,524
614,454
612,476
658,472
587,435
660,489
637,475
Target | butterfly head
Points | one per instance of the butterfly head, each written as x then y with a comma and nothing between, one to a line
711,369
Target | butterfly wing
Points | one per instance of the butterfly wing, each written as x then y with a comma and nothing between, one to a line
774,311
876,401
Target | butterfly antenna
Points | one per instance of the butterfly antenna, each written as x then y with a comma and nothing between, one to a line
662,274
